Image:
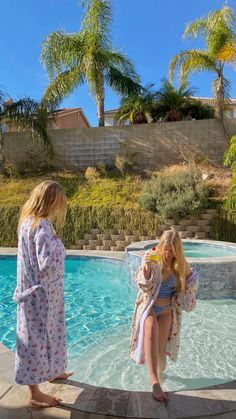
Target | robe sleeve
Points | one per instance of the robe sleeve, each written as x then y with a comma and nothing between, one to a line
44,245
187,299
146,285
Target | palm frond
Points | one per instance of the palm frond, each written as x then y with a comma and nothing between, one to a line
3,97
137,107
61,51
217,30
224,17
191,61
121,63
96,24
61,87
196,28
29,115
228,53
121,83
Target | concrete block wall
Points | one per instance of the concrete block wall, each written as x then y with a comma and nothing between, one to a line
152,146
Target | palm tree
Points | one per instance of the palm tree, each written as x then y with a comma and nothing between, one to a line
172,104
87,56
218,31
26,114
166,105
178,104
138,107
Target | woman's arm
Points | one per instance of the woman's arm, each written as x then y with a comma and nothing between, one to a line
146,274
44,246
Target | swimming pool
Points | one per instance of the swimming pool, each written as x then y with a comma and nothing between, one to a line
204,250
99,304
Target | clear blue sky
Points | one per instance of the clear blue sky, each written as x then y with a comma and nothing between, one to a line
148,31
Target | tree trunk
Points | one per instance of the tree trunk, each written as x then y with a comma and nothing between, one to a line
100,101
220,104
100,107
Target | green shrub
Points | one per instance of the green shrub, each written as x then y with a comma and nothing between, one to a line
176,195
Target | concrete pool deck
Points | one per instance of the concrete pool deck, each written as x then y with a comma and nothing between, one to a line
84,401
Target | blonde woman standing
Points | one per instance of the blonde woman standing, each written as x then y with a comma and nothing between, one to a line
165,289
39,294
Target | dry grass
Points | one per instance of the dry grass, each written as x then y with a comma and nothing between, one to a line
16,190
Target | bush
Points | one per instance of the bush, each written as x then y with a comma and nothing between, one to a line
91,174
176,195
120,164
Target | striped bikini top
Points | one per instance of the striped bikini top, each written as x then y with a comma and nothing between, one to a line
167,288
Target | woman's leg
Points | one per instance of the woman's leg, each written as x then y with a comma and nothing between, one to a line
164,327
37,398
151,354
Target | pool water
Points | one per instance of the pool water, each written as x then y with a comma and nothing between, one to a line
99,305
205,250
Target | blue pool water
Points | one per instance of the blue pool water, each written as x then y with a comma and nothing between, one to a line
205,250
99,305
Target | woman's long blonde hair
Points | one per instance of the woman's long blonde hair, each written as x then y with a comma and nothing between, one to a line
47,200
179,263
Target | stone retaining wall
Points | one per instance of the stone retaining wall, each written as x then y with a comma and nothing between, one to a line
197,227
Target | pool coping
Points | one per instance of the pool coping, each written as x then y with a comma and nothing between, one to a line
210,402
137,248
12,251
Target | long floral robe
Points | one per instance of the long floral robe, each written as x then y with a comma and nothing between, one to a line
148,292
39,294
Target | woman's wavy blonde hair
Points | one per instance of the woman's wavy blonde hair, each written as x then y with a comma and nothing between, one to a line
179,263
47,200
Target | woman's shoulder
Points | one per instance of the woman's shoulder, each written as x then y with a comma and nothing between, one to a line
44,227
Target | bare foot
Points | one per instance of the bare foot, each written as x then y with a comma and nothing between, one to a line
40,399
158,393
62,376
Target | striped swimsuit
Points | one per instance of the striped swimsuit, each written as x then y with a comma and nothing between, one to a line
167,289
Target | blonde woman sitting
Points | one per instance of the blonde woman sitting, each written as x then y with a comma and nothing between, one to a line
165,289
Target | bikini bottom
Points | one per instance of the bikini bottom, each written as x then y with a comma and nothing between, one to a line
160,309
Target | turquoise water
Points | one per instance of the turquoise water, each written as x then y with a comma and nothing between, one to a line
205,250
99,305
